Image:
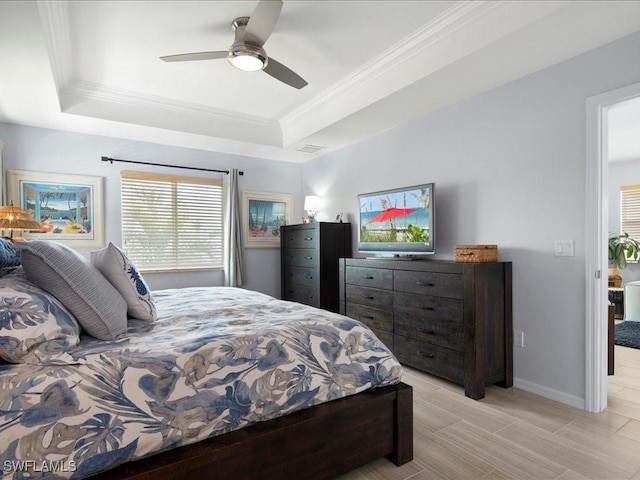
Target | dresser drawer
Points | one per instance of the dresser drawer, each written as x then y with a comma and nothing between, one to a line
372,317
431,358
301,294
373,297
369,277
301,257
301,275
303,238
447,285
433,319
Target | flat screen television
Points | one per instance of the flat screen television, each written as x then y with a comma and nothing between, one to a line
398,222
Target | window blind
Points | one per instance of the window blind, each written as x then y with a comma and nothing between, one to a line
171,222
630,210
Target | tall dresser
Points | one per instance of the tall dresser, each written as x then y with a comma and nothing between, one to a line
453,320
309,255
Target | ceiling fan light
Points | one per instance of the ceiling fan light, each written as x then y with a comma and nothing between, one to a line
246,62
247,57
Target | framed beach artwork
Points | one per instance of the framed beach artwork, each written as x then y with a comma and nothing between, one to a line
68,207
263,214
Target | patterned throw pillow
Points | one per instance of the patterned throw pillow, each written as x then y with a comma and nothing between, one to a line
114,264
99,308
32,321
9,257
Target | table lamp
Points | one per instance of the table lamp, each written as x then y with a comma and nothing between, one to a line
312,205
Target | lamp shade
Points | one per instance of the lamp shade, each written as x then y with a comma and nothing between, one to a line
15,218
312,203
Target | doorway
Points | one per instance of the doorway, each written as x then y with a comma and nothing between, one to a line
597,225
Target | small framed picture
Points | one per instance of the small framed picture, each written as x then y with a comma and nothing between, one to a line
263,215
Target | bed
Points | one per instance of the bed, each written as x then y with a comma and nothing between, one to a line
215,382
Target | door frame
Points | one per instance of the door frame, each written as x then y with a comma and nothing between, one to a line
597,226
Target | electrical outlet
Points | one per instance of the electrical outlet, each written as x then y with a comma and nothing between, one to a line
518,338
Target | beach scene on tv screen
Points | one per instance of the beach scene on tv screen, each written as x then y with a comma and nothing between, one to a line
396,217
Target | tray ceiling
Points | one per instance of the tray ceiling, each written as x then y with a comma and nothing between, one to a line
94,67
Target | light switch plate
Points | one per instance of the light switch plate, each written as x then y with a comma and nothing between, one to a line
563,248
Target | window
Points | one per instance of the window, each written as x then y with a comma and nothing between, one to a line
630,210
171,222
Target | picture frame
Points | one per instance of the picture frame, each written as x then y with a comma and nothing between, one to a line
263,215
69,207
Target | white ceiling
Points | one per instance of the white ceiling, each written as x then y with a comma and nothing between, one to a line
93,66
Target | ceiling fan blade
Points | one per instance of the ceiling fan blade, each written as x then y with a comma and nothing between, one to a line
187,57
262,21
284,74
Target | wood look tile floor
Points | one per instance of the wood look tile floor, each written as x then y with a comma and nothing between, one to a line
513,434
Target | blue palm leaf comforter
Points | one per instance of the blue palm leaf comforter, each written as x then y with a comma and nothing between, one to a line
216,360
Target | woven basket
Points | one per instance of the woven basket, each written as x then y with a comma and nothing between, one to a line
476,253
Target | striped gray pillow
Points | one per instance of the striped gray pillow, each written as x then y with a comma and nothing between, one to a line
79,286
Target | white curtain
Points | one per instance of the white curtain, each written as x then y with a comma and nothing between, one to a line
3,188
233,252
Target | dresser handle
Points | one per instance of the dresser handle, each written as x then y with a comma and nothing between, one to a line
366,277
428,309
308,239
309,277
424,284
427,332
426,354
368,297
368,317
308,258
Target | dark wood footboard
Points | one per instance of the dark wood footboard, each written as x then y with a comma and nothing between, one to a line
321,442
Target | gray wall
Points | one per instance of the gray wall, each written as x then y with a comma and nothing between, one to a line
43,150
622,173
510,168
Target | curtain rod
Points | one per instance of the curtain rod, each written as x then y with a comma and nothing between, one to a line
111,160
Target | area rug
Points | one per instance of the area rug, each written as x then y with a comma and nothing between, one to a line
628,334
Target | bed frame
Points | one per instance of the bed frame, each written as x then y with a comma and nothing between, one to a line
321,442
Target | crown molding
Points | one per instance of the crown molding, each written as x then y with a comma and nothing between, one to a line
54,17
94,92
98,101
299,123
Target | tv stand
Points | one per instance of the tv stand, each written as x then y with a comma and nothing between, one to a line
453,320
398,257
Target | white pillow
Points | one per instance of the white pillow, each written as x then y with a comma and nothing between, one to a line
116,267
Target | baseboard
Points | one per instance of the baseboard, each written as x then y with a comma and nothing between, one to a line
550,393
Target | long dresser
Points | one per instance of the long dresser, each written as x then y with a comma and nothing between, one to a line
309,255
453,320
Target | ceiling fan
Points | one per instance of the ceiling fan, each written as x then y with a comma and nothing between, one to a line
247,53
